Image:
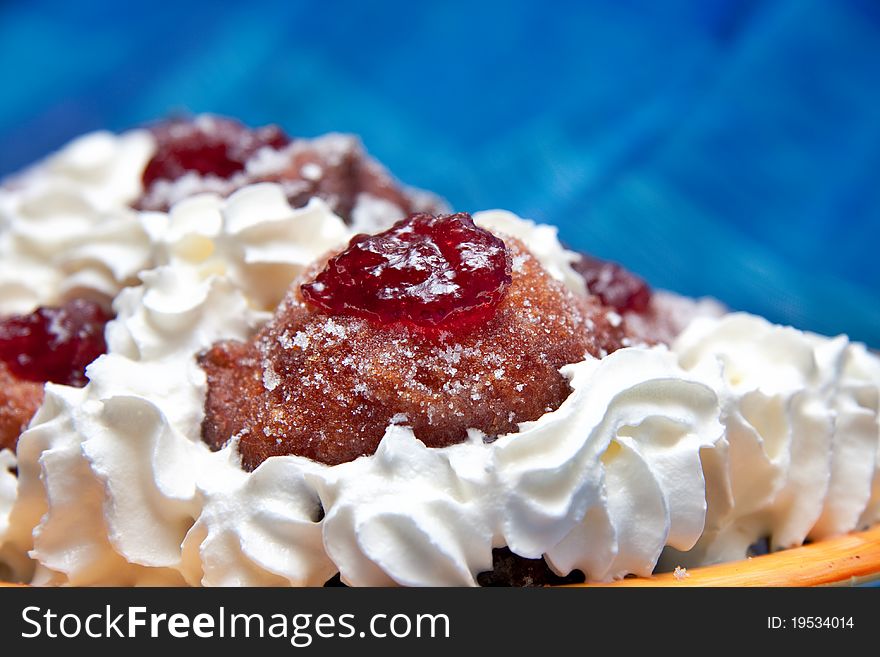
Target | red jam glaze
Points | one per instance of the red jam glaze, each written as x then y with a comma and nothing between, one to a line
614,285
207,145
54,344
431,271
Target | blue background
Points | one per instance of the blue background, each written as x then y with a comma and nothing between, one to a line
716,147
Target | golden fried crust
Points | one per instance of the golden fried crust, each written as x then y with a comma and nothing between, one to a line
327,387
235,386
19,400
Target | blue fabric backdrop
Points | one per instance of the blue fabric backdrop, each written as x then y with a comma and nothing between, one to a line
716,147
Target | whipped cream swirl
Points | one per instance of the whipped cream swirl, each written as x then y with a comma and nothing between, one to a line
611,477
798,459
409,514
66,228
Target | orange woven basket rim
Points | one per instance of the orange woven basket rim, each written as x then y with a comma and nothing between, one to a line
845,560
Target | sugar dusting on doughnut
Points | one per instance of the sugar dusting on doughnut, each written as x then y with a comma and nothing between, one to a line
324,381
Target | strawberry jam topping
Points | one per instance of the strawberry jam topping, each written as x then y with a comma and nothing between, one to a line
431,271
207,145
614,285
54,344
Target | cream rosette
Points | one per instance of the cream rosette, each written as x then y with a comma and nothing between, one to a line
66,225
410,515
606,481
801,434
